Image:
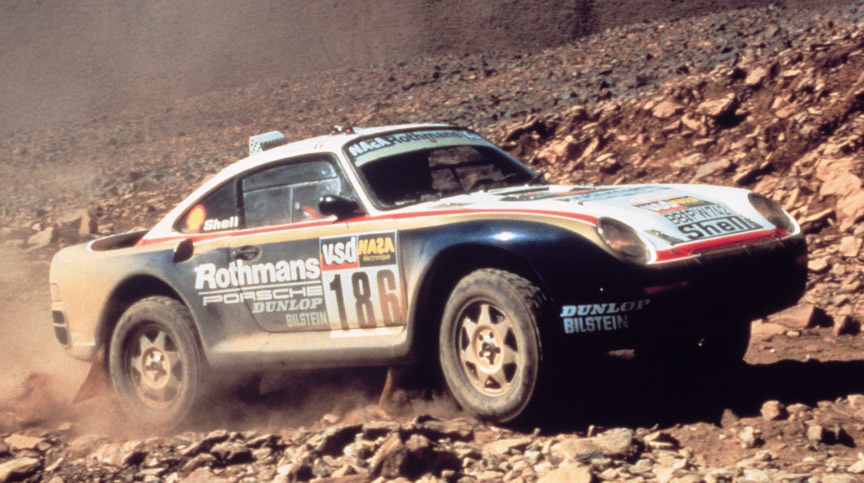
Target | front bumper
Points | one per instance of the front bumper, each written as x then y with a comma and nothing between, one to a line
722,287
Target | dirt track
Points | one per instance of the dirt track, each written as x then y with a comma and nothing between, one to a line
766,98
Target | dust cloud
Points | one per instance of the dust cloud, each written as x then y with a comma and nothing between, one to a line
39,378
307,398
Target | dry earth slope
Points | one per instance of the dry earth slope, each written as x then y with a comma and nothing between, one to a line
67,60
766,98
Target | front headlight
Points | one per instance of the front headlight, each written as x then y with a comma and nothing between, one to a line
622,238
771,211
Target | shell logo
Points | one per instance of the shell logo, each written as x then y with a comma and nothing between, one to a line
195,219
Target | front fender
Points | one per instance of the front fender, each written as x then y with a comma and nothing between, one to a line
556,259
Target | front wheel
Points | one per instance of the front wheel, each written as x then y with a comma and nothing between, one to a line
490,343
155,362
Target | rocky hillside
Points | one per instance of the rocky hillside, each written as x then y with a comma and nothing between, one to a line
71,60
768,98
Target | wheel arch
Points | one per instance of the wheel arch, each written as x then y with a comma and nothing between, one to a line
128,292
445,271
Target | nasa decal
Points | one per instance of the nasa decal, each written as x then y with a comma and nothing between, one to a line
362,285
363,147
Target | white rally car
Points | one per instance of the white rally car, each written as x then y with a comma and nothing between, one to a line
391,245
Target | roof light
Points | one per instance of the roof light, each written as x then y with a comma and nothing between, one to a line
341,130
263,142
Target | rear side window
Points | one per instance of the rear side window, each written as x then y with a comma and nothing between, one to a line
290,192
217,211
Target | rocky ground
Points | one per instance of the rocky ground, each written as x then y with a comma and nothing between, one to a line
771,99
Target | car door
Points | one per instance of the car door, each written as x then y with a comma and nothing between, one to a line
206,276
302,271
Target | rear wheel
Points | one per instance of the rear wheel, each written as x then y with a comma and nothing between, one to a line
155,362
490,343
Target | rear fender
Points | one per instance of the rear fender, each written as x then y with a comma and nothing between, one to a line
124,295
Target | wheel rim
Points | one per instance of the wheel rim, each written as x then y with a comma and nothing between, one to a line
489,353
154,366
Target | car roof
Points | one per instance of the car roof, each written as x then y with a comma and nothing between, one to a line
323,144
327,143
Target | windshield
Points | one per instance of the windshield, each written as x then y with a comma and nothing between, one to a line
430,165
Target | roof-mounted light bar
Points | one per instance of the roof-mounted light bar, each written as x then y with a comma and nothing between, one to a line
263,142
341,130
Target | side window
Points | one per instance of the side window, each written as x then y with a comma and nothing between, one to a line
290,192
267,206
215,212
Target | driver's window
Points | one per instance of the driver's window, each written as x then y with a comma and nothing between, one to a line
306,198
290,192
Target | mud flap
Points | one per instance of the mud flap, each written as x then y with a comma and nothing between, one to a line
96,381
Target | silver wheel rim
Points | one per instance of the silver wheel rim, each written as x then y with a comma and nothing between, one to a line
488,349
154,366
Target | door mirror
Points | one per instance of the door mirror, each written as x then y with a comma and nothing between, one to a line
336,205
184,250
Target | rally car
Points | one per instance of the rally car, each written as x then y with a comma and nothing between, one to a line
385,246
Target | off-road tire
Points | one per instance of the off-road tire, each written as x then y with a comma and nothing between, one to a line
490,344
156,364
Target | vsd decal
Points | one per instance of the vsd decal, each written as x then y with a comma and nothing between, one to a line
370,250
339,253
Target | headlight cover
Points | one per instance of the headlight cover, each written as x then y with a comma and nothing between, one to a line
773,212
622,239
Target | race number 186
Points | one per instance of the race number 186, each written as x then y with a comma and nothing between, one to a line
364,298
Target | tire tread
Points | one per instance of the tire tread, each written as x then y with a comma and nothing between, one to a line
534,301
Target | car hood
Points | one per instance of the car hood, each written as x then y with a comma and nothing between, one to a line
665,215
